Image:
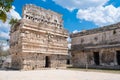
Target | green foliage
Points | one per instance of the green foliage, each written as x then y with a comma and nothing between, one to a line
1,48
5,53
3,16
13,21
5,6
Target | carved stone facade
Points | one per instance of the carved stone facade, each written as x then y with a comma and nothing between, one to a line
38,40
97,48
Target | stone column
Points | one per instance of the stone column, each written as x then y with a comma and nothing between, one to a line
115,59
100,56
86,59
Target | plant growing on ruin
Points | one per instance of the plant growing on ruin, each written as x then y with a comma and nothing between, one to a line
13,21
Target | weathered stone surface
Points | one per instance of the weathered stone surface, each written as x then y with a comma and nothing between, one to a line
98,48
38,40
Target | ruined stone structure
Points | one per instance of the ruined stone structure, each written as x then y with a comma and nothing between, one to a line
38,40
97,48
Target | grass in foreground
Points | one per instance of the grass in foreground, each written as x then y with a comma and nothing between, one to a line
95,70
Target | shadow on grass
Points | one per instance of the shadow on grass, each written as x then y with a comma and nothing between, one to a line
95,70
8,69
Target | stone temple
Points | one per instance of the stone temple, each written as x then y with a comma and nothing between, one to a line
38,40
97,48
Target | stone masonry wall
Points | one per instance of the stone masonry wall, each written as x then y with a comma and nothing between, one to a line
38,40
97,48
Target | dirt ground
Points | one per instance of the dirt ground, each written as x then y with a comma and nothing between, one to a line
56,74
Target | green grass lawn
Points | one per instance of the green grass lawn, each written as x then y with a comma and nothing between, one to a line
95,70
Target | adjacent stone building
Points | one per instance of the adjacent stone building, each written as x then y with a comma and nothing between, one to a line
38,40
97,48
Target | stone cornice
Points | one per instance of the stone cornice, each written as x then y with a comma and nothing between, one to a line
96,30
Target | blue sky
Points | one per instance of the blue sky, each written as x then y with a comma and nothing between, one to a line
78,15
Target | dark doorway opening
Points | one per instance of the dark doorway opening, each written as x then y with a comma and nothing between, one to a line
47,61
96,58
118,57
68,61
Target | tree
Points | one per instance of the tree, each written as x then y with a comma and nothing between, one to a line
3,53
1,48
13,21
5,6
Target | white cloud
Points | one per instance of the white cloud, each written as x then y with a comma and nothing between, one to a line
4,35
75,31
69,42
6,47
93,10
79,4
69,46
4,44
69,39
14,14
100,15
5,27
